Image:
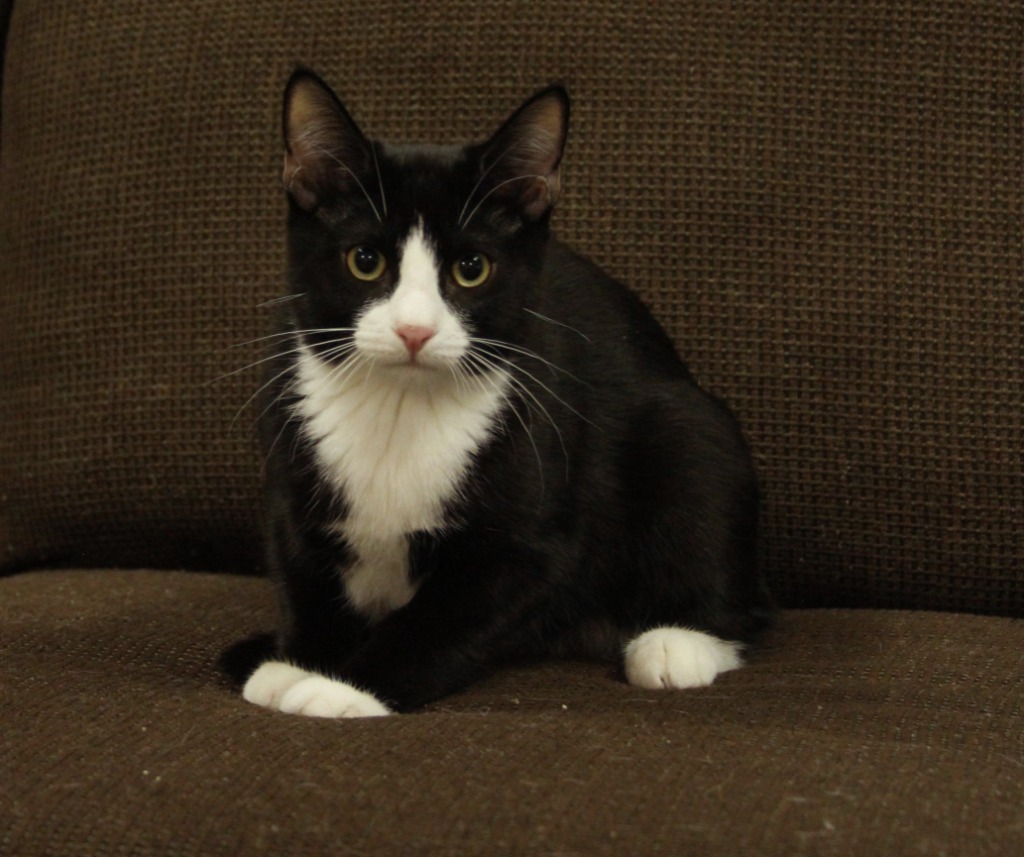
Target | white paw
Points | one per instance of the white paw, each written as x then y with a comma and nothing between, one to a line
287,688
271,682
318,696
678,658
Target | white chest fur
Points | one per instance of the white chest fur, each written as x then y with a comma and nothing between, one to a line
397,446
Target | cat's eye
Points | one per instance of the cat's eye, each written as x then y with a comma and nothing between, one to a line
472,270
365,263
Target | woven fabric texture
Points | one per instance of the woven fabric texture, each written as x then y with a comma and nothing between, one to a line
854,733
822,202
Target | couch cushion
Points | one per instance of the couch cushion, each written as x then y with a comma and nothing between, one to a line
822,202
849,733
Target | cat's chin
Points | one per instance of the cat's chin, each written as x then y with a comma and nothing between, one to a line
416,371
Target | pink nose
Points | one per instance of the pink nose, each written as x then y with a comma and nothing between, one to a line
414,336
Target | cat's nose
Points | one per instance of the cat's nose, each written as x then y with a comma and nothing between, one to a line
414,336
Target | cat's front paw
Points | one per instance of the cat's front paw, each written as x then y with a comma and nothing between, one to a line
678,658
271,681
283,687
318,696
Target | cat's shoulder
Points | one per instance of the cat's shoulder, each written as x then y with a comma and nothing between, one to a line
589,301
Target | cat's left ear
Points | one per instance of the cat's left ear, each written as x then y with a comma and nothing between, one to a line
521,161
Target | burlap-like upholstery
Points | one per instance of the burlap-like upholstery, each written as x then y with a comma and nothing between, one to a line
822,203
852,733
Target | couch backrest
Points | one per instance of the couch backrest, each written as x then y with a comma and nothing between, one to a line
822,202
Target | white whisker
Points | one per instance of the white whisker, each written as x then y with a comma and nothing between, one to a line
328,154
338,347
486,383
487,363
528,430
458,374
256,395
525,352
479,182
559,323
280,300
284,333
267,359
380,180
345,372
513,365
332,352
497,187
344,341
277,437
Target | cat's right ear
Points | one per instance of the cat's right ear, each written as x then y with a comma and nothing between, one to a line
324,149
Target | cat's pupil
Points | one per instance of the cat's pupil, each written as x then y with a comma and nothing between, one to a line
366,259
471,267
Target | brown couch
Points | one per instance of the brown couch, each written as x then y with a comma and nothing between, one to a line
822,202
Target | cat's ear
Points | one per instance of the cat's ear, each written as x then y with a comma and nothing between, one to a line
325,152
520,162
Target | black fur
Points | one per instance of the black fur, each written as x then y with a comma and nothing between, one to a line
630,503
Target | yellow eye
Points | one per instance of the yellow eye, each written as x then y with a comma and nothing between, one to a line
472,270
366,263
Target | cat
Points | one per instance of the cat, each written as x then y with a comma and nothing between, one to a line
479,446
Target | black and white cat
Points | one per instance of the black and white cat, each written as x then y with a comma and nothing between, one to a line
479,446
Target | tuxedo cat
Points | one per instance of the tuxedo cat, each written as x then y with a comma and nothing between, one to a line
479,446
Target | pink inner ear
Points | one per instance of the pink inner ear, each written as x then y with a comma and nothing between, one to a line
539,195
294,183
324,148
525,153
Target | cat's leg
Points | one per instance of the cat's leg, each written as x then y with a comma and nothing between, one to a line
333,662
676,658
480,602
695,596
413,656
319,631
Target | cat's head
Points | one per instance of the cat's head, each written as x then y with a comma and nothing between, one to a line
413,258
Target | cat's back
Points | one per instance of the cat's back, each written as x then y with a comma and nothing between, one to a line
600,321
618,365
